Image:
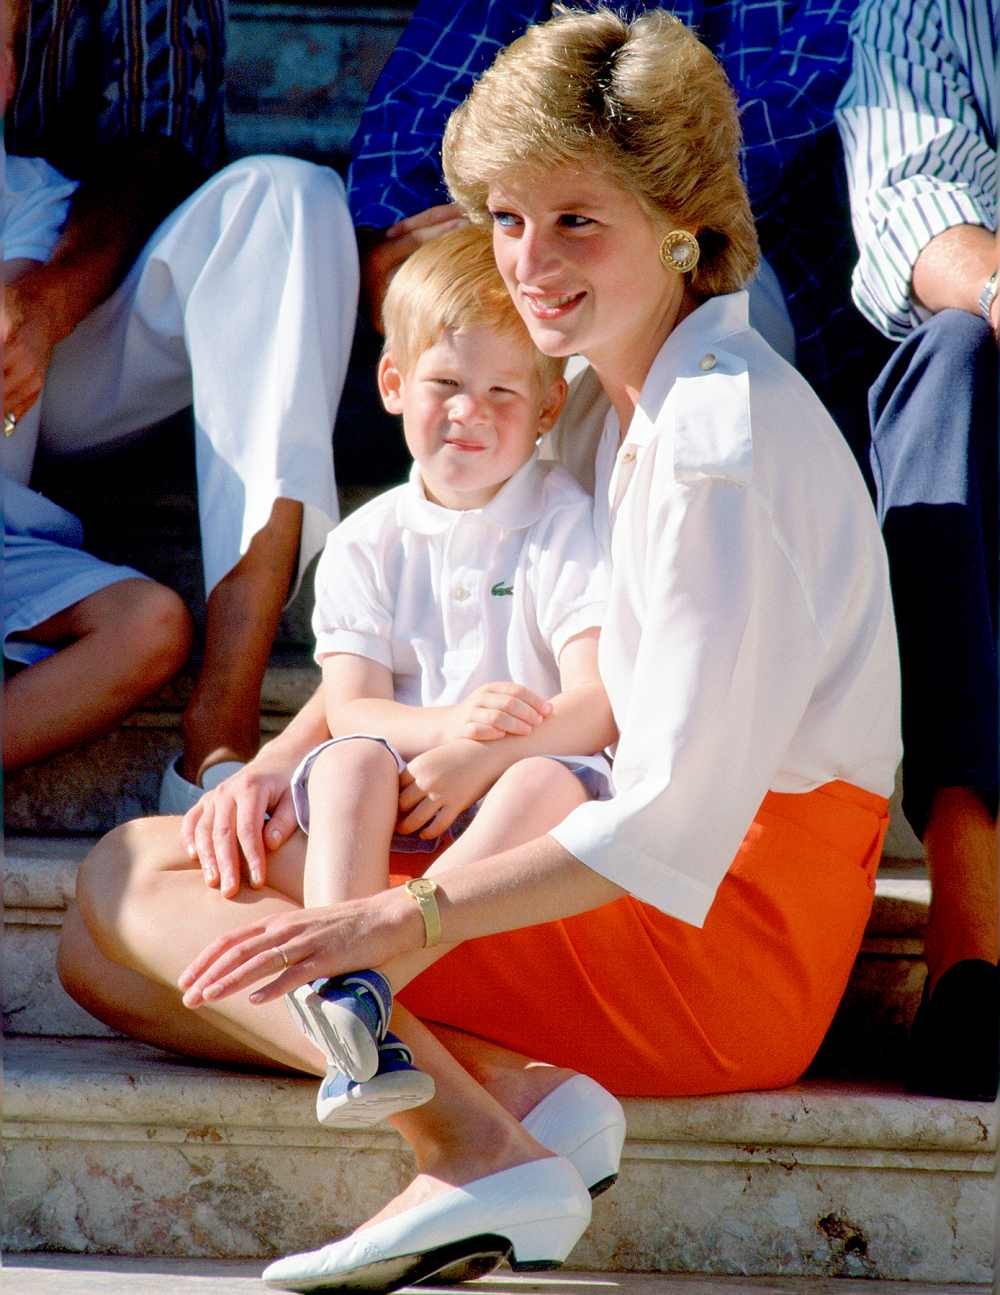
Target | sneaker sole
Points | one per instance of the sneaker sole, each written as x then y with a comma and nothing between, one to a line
360,1110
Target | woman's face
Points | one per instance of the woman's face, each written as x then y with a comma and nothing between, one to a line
580,257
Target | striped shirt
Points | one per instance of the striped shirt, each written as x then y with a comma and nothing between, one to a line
918,119
787,60
96,71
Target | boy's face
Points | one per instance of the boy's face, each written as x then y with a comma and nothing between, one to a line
472,409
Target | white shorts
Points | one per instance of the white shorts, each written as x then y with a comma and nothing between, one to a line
45,570
593,771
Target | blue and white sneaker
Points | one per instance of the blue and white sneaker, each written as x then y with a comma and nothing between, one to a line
397,1085
347,1017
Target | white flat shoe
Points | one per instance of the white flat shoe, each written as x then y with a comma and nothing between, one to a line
585,1123
580,1121
535,1213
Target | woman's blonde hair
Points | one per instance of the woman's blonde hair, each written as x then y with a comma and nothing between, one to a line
450,283
645,99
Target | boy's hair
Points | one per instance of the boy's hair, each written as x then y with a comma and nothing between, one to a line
450,283
644,100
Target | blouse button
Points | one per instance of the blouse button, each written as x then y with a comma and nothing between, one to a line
707,362
628,456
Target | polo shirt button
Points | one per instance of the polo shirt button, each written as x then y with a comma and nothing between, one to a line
460,593
628,456
707,362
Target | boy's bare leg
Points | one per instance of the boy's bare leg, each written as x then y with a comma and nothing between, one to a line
532,797
353,794
121,644
222,718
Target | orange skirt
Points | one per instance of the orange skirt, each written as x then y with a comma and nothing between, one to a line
651,1006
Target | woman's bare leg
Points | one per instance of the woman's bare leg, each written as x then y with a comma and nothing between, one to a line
137,885
353,794
138,1006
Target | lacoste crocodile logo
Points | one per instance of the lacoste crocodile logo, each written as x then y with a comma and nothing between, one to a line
500,590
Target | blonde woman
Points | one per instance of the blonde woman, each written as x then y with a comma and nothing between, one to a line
692,934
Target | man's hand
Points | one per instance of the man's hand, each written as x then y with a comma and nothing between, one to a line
28,338
435,787
384,251
497,710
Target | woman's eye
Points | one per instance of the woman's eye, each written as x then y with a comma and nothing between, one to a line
506,219
571,221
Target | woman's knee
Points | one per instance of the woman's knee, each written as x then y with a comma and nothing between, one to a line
120,871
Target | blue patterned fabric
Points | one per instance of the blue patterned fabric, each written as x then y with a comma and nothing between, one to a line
96,71
787,60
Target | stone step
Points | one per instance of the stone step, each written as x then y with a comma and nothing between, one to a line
865,1039
68,1274
298,75
117,777
113,1147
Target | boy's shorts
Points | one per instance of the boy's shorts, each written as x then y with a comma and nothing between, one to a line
44,568
593,771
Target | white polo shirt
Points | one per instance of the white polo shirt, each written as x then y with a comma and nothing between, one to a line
449,600
749,642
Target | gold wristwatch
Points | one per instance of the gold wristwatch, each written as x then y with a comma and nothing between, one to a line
424,891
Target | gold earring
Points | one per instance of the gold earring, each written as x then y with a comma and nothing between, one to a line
680,251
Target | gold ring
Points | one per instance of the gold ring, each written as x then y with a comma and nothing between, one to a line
284,959
9,424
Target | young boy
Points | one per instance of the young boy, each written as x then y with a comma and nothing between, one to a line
482,569
98,638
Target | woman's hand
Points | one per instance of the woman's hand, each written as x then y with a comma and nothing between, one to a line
435,787
496,710
313,942
230,824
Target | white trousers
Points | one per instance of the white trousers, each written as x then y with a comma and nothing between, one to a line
242,304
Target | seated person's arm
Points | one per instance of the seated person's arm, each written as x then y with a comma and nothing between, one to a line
398,198
359,699
154,135
441,783
922,204
952,269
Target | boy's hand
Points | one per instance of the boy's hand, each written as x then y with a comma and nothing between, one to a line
497,710
435,787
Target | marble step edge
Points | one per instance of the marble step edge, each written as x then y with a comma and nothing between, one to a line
106,1088
40,877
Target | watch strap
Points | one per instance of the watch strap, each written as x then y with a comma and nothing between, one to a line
423,891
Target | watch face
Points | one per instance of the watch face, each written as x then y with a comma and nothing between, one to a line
421,886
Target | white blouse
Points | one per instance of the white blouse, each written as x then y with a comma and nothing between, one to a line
749,643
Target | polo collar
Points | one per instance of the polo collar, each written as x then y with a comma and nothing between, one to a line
519,503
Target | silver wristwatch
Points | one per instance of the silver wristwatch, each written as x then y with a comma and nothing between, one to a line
988,296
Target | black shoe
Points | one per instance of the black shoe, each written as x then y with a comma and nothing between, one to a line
954,1048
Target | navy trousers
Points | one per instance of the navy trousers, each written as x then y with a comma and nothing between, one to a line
933,413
